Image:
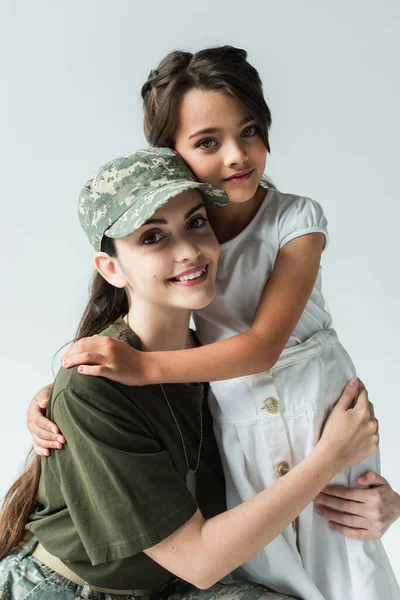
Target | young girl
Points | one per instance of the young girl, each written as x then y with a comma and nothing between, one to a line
275,363
114,515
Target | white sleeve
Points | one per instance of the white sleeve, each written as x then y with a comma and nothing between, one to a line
301,216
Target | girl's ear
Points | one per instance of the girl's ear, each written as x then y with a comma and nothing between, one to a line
109,268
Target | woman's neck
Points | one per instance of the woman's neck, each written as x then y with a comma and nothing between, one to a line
158,329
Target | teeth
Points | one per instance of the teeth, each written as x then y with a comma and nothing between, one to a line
194,275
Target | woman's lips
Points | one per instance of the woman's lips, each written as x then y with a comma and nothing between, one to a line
240,178
191,282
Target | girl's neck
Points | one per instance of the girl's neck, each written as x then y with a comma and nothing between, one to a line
158,329
230,220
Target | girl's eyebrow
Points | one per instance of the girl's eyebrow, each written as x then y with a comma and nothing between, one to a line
244,121
164,221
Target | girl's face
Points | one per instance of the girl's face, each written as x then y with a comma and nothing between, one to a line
220,142
171,261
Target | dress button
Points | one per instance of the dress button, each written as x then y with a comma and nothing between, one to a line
283,468
271,405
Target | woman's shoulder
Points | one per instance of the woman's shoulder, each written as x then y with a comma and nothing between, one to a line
69,382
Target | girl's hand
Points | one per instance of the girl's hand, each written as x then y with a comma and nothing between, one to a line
362,514
104,356
351,430
45,433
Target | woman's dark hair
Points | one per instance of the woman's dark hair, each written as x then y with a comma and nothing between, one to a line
223,69
106,303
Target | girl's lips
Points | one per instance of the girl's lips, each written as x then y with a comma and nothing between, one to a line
240,178
191,282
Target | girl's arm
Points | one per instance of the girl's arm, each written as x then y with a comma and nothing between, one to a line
282,303
203,551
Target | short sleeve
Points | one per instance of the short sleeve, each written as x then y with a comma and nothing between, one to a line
301,216
120,488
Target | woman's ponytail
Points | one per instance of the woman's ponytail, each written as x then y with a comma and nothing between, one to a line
106,303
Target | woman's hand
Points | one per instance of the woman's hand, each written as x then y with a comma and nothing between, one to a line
45,433
351,434
104,356
362,514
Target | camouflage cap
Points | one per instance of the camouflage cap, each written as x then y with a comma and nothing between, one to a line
127,191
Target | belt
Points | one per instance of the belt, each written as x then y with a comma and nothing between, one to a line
59,567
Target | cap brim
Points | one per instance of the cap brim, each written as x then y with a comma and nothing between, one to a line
145,207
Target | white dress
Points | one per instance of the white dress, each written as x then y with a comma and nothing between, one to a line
267,423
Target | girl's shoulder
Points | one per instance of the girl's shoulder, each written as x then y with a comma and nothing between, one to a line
292,216
283,205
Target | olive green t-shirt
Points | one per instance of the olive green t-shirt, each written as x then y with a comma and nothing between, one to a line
118,485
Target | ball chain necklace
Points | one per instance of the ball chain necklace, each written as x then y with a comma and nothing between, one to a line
190,475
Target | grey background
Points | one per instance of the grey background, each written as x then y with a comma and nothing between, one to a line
70,78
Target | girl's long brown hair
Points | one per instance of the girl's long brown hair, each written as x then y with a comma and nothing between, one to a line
106,303
223,69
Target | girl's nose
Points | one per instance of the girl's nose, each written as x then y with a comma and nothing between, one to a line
235,156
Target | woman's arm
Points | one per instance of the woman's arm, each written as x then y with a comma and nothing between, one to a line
204,551
362,514
378,506
282,303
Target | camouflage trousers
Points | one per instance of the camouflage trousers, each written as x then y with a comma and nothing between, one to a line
22,576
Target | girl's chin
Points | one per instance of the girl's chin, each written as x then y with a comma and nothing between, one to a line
242,193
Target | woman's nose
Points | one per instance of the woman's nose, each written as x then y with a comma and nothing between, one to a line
187,250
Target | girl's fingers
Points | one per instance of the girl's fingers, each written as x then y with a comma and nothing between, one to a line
41,451
44,434
41,422
46,443
86,358
340,518
43,394
94,370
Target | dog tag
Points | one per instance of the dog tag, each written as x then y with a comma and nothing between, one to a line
191,481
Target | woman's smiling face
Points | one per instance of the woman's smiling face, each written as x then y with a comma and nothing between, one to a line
220,142
171,261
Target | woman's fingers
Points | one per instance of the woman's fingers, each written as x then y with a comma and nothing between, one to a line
362,402
340,491
348,395
352,532
371,478
340,518
343,504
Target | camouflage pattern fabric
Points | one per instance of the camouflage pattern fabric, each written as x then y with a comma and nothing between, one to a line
22,576
127,191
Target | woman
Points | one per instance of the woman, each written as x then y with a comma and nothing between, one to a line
210,108
118,510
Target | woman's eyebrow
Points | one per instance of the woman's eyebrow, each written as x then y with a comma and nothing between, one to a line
164,221
246,119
